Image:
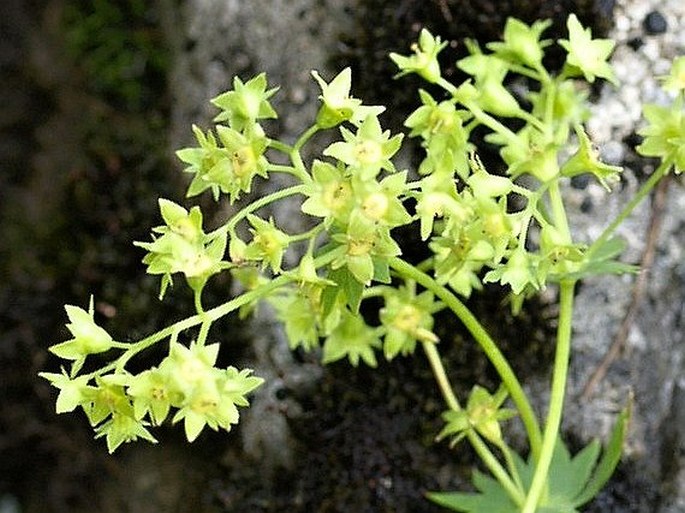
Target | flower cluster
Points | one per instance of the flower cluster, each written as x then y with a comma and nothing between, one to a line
352,295
121,406
228,163
181,246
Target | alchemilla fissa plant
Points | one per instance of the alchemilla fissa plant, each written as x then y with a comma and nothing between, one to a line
355,197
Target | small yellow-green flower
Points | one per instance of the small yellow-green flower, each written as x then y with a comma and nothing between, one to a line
268,243
675,80
424,61
246,103
368,151
587,54
88,337
338,106
665,133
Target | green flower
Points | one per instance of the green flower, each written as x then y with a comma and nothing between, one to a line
438,198
440,125
459,256
675,80
213,401
89,338
569,106
122,428
530,152
586,160
588,55
483,184
489,73
330,194
434,119
268,243
424,61
182,246
353,339
151,393
380,203
366,248
204,394
230,169
73,392
107,398
522,42
665,133
338,106
518,272
186,367
368,151
560,256
407,318
483,413
299,317
246,103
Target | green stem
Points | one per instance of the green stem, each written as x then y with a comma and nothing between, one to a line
204,331
280,168
441,376
197,297
556,400
495,467
260,203
558,211
280,146
486,343
304,138
209,316
492,123
644,191
309,234
511,465
476,442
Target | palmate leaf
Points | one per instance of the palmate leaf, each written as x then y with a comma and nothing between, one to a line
603,261
572,481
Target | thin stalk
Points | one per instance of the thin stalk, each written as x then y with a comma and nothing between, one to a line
309,234
495,468
441,376
280,146
260,203
486,343
197,298
209,316
558,211
556,400
511,465
642,193
492,123
204,331
304,138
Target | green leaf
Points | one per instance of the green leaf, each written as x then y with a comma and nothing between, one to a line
348,286
602,261
611,457
492,498
572,481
